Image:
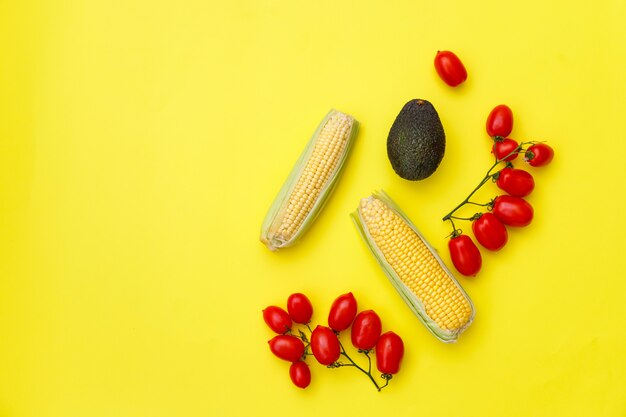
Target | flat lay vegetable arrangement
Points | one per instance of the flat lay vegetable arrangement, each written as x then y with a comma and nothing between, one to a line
416,145
143,144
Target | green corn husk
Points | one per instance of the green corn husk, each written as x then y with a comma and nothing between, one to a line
270,235
411,299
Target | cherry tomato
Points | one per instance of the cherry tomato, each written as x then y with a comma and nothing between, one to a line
389,353
504,147
500,121
300,374
325,345
513,211
342,312
450,68
490,232
539,155
286,347
300,308
366,330
465,255
516,182
277,319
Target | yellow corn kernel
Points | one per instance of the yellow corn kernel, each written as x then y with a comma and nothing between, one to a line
416,271
311,181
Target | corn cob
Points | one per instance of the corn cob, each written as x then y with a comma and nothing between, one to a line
414,268
310,182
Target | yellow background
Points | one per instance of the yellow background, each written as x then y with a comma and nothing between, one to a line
141,143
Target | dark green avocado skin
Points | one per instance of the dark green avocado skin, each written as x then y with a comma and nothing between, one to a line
416,141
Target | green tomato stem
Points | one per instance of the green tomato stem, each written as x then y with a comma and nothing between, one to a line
368,372
463,218
481,204
386,383
489,175
369,362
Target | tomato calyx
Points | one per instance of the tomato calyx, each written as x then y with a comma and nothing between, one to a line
539,154
387,378
302,337
496,175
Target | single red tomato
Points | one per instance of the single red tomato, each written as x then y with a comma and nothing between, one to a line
490,232
465,255
342,312
325,345
539,155
500,121
300,374
516,182
389,353
513,211
286,347
504,149
450,68
366,330
300,308
277,319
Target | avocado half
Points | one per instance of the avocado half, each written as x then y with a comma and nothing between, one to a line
416,141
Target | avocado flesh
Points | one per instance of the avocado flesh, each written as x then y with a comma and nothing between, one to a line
416,142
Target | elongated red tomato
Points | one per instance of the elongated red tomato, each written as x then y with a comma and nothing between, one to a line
504,149
450,68
513,211
286,347
539,155
300,374
465,255
500,121
277,319
389,353
325,345
516,182
342,312
366,330
490,232
300,308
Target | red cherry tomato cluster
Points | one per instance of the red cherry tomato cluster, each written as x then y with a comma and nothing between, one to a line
324,343
286,346
507,210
